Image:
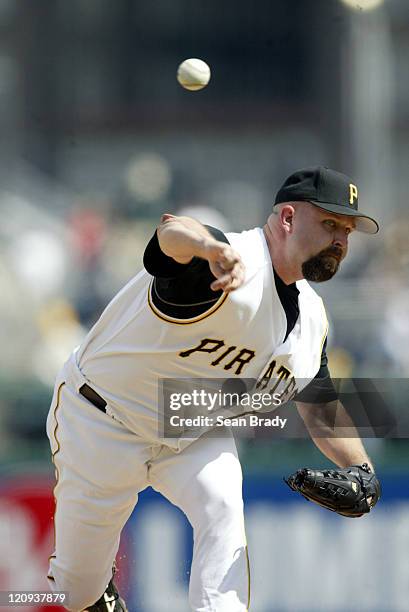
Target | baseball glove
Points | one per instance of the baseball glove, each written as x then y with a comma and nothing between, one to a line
351,492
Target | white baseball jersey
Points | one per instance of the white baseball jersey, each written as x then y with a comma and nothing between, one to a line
241,334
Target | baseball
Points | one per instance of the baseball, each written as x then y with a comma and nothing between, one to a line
193,74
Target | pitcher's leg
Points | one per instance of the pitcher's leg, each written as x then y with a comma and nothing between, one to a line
100,468
205,481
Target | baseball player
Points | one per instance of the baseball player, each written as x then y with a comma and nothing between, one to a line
206,305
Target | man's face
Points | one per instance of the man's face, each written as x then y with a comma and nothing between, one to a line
322,239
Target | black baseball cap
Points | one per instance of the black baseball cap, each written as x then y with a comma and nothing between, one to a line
329,190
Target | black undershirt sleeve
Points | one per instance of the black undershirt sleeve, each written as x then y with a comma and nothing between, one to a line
181,290
158,264
162,266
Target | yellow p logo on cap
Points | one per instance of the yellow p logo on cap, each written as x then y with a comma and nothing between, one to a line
353,193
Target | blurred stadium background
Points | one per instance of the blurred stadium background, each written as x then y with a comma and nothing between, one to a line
97,141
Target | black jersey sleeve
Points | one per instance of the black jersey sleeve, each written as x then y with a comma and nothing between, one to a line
181,290
321,389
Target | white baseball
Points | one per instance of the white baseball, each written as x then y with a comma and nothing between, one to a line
193,74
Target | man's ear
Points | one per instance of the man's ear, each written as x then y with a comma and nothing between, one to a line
287,217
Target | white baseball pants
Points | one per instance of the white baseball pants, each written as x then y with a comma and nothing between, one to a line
101,467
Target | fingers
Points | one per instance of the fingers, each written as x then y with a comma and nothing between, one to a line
228,282
226,265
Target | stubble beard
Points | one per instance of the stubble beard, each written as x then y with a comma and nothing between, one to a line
323,266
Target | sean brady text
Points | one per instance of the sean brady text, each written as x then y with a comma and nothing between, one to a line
251,420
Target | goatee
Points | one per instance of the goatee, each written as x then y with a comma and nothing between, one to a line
323,266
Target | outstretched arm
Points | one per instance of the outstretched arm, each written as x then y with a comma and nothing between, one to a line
334,433
183,238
